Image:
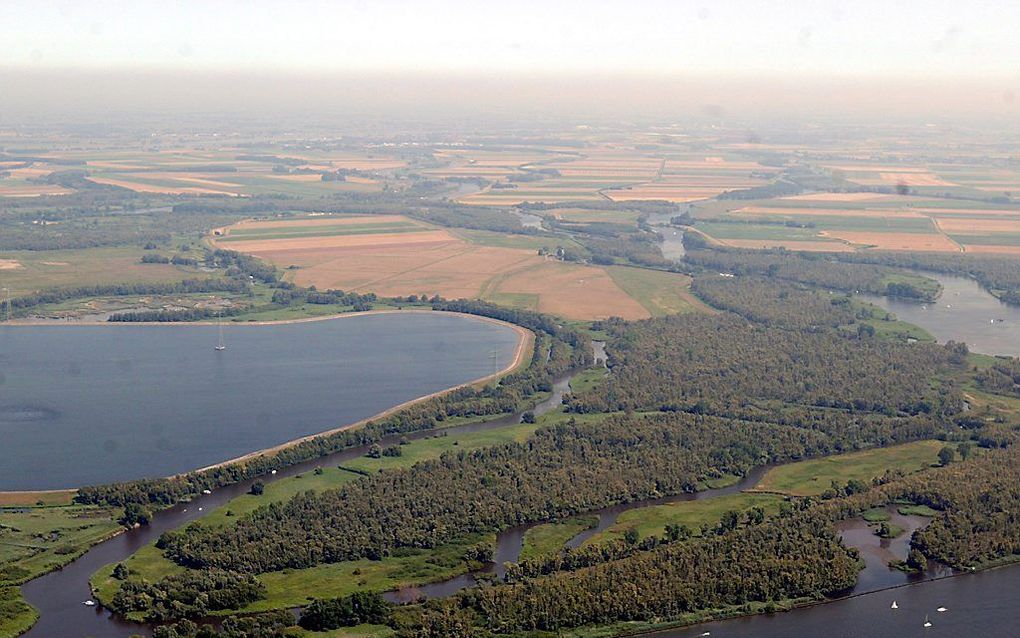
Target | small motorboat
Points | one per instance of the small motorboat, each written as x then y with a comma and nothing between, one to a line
705,633
89,603
942,609
200,509
927,623
894,605
207,491
273,472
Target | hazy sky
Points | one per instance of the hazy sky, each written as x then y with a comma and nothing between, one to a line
919,39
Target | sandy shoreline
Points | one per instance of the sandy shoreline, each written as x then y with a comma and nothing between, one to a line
525,341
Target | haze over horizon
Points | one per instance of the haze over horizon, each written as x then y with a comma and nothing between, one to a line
580,59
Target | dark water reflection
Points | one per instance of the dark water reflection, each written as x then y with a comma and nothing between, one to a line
94,404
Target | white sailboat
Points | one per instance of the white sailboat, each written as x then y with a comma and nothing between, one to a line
894,605
220,345
927,623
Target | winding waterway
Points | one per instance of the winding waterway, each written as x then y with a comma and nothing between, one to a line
96,404
978,604
981,604
58,595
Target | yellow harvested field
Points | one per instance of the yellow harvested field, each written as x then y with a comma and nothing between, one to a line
1005,250
838,197
197,178
573,291
977,212
667,192
437,262
896,241
914,179
876,168
826,212
152,188
115,165
10,264
27,189
30,172
792,244
325,220
260,247
978,226
451,269
351,162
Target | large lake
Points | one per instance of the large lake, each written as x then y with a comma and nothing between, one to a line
92,404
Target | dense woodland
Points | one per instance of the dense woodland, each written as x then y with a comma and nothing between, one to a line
865,271
792,557
684,362
190,594
560,471
777,303
816,269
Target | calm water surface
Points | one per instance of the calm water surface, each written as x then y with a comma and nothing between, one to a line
965,312
93,404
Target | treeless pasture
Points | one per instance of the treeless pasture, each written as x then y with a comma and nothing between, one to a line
978,226
1004,250
838,197
914,179
437,262
813,246
896,241
300,244
825,212
152,188
573,291
666,192
324,220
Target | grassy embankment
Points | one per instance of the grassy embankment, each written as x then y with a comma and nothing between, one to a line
292,587
40,532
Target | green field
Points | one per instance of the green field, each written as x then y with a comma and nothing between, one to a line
543,541
293,587
993,239
507,240
293,232
659,292
35,540
435,446
584,381
758,231
848,222
810,478
652,520
84,267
